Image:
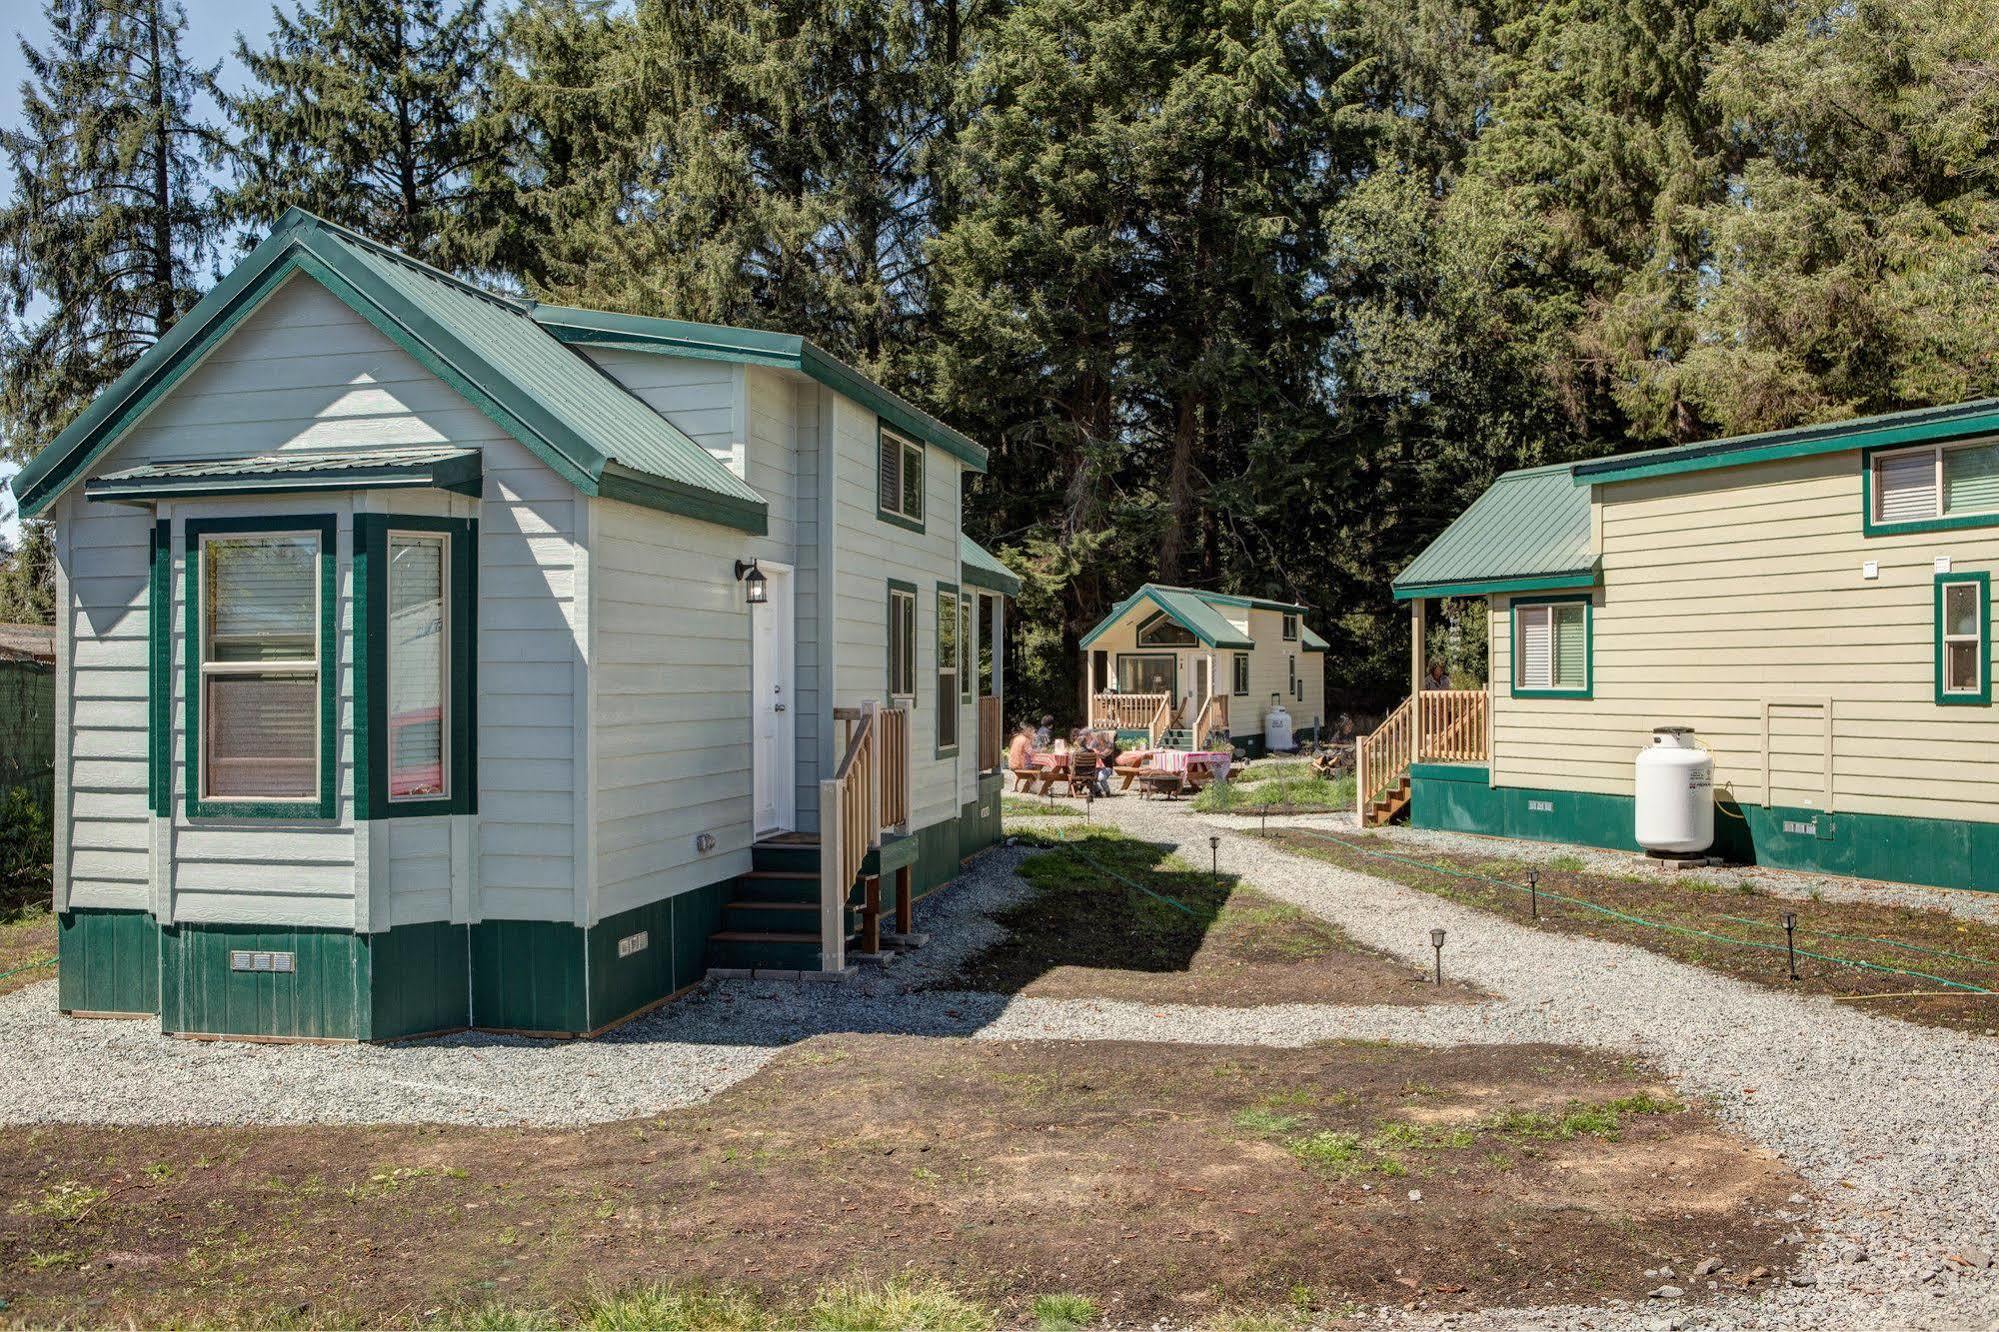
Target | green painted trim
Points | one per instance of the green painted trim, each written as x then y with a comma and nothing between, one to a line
108,961
458,475
1154,621
1487,587
1928,424
1453,772
327,805
303,243
1588,602
1983,582
949,701
371,628
1948,523
1119,611
900,517
1173,699
159,669
896,585
1239,675
895,851
981,568
717,342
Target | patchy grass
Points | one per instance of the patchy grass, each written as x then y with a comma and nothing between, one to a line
27,948
1033,807
1182,934
1724,926
1290,793
794,1200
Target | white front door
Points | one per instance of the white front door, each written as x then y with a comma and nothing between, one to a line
774,749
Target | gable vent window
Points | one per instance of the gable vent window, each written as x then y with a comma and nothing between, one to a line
900,464
1936,482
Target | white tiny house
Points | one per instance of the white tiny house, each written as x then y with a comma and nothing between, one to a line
432,659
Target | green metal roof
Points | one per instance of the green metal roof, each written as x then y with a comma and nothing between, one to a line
785,351
982,568
1529,532
572,415
1914,426
441,468
1185,608
1313,643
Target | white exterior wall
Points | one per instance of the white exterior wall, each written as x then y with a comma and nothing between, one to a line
304,372
1727,590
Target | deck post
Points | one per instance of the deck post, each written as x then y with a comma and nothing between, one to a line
1416,655
832,893
905,901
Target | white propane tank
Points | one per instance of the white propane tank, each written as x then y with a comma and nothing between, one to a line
1675,805
1277,730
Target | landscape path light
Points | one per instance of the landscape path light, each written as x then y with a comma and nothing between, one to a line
1534,892
1437,942
1215,860
1790,944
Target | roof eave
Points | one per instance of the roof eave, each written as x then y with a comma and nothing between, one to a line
632,486
1567,580
1727,453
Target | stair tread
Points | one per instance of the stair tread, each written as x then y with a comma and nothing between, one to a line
767,875
761,936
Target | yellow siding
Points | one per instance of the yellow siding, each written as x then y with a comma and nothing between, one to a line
1733,602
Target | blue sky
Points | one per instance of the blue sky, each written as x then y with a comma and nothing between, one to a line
212,26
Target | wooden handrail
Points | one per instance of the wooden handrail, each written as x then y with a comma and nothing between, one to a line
848,829
1213,721
1437,725
1162,721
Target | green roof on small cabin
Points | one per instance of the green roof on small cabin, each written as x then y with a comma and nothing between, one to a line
591,431
1913,426
1529,532
1189,609
1313,643
982,568
442,467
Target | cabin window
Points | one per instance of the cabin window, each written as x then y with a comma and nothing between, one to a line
950,665
415,608
1551,648
1291,674
900,496
1290,628
1963,634
968,647
259,605
1239,686
1140,674
1939,483
1160,630
902,642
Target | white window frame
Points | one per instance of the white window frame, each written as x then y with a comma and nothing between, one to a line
1522,611
1936,452
1290,627
905,447
211,668
1239,676
444,682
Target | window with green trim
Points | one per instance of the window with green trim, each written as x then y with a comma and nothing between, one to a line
1551,647
950,666
1963,638
416,596
1934,483
899,496
970,646
260,600
1290,628
1240,683
902,642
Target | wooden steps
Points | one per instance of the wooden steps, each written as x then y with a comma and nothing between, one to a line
1389,807
771,920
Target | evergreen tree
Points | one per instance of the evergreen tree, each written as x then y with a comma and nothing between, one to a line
110,216
28,577
375,114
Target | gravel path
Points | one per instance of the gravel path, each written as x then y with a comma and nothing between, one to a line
1897,1126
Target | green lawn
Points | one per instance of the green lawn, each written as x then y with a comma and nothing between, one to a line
1288,786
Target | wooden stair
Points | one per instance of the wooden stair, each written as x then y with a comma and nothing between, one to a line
1390,806
771,919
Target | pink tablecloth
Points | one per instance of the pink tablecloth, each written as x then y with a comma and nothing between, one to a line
1176,760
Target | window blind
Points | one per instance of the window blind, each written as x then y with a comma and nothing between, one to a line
1906,486
1971,479
1571,647
1534,668
891,472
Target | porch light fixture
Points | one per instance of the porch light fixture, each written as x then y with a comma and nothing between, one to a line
1790,945
755,585
1437,942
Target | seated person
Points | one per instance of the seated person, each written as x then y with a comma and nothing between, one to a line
1041,736
1020,753
1107,755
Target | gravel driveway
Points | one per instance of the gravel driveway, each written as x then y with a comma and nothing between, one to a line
1897,1125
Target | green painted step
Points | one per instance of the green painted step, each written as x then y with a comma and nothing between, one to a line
788,856
778,918
790,951
777,886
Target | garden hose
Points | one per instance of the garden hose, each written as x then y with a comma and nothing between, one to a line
1640,920
1868,938
32,966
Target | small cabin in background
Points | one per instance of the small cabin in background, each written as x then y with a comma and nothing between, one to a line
1201,670
1815,603
428,658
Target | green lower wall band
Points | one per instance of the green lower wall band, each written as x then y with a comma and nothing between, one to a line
1944,853
107,961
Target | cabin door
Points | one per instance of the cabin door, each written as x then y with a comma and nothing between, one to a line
772,718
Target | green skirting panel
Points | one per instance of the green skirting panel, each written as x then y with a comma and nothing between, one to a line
528,975
640,956
936,857
108,961
325,993
1945,853
422,979
979,821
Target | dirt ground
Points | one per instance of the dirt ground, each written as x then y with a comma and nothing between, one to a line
1719,921
25,940
1181,935
1164,1182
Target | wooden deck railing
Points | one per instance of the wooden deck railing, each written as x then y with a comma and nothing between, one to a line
1454,729
1124,712
867,795
1213,721
1162,720
992,737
